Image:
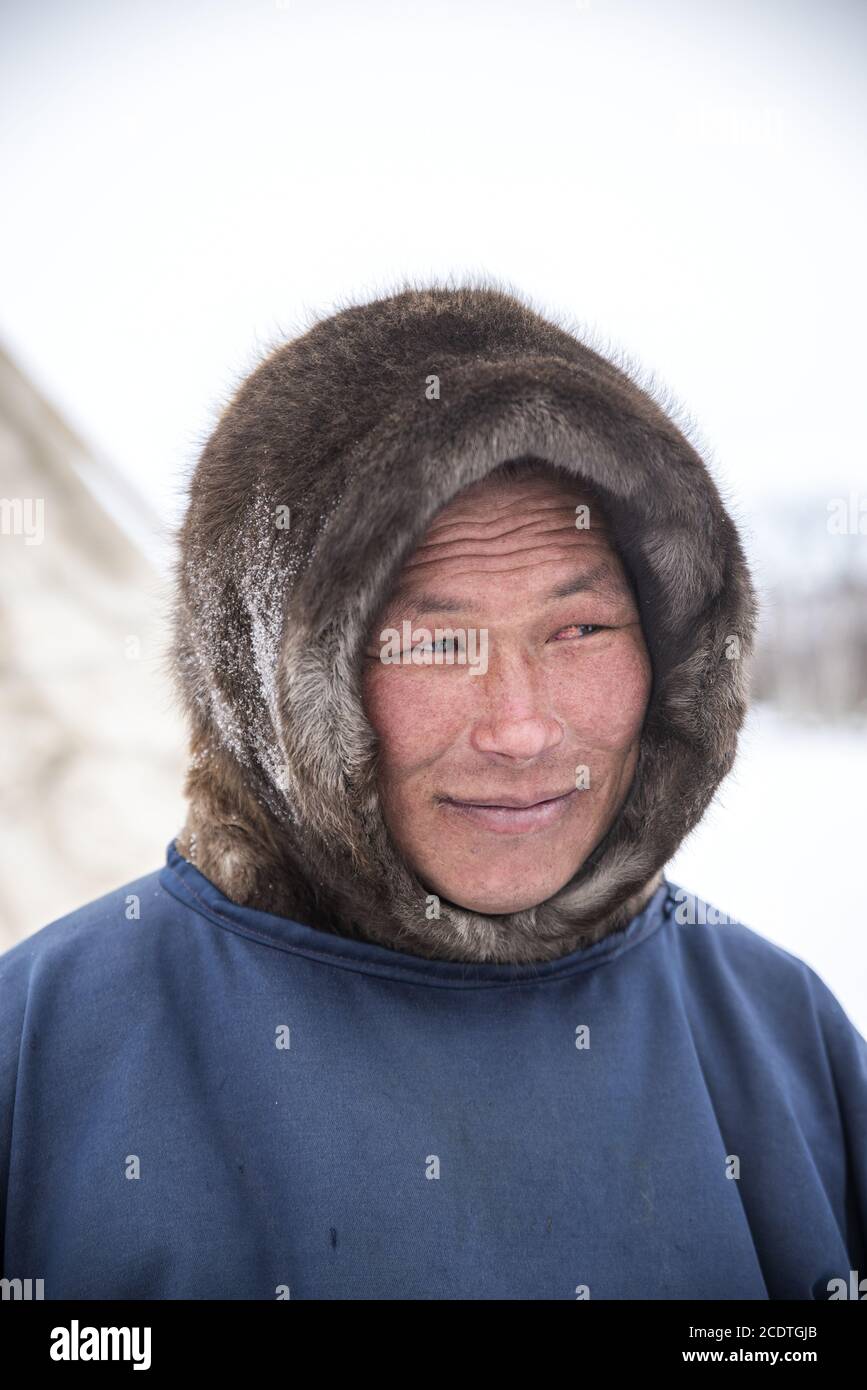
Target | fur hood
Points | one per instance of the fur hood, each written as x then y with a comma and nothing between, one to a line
321,475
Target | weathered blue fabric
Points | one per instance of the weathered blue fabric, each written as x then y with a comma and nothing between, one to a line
198,1100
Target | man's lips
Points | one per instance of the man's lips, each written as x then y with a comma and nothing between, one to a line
518,803
511,815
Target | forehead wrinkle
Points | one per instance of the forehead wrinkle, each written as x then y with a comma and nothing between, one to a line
541,518
523,533
539,505
521,548
531,528
505,494
600,578
518,558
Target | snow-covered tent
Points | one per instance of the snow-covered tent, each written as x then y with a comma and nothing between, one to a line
92,750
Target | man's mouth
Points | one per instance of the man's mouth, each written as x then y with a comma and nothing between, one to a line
511,815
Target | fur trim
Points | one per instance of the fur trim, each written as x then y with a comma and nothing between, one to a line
271,620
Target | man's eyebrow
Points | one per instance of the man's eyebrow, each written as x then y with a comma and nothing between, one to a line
600,579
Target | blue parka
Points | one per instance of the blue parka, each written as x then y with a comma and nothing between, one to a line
200,1100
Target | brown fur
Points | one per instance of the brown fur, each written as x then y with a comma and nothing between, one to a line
284,814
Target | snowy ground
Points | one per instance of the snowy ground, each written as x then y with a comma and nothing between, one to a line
784,848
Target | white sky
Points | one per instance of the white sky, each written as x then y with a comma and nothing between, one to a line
184,182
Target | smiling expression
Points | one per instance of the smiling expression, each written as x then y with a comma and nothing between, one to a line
497,783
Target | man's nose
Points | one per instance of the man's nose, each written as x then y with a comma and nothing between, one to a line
521,737
517,721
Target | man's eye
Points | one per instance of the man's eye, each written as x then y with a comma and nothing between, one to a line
579,630
443,646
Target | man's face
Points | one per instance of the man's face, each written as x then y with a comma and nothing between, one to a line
501,772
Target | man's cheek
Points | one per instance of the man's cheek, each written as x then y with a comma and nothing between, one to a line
604,704
415,719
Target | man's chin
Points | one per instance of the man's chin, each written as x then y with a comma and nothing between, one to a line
498,909
496,903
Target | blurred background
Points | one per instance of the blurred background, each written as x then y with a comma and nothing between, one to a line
186,184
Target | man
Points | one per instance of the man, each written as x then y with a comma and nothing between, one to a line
412,1010
516,777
